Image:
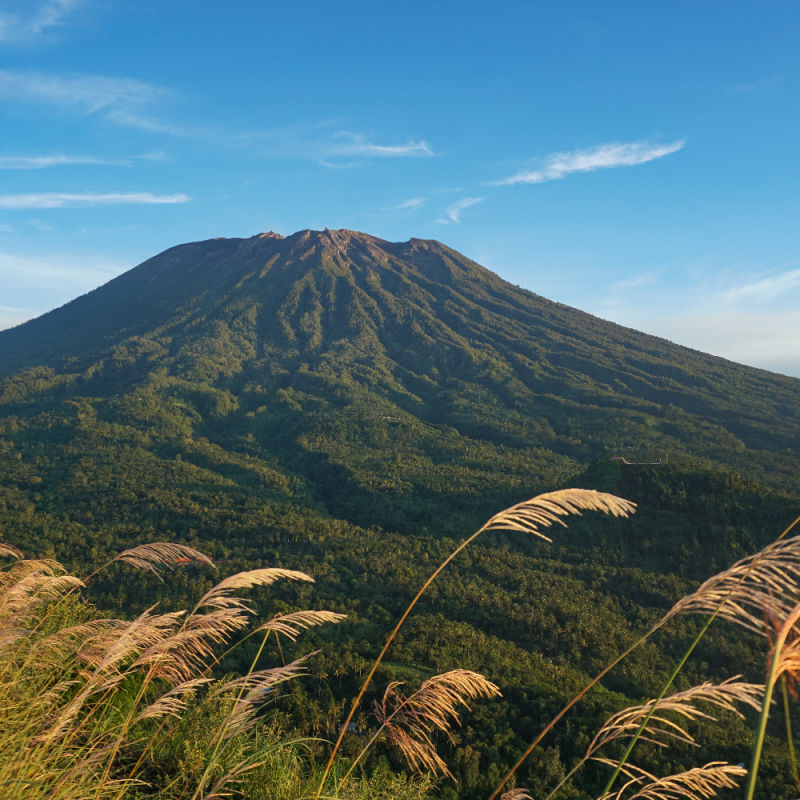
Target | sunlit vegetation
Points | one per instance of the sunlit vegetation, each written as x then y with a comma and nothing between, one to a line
98,707
349,408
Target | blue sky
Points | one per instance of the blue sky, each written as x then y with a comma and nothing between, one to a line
636,160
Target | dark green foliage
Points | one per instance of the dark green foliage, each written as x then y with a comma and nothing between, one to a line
349,407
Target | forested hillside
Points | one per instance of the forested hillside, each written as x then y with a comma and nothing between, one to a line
350,407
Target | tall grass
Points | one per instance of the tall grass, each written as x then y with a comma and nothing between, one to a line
94,708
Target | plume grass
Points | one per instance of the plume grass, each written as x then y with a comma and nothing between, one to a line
86,702
93,702
699,783
713,596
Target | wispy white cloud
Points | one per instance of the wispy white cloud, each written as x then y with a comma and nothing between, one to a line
52,13
746,314
88,94
414,202
22,21
453,212
132,103
6,228
754,87
604,156
61,159
347,143
766,288
323,142
14,202
633,282
127,102
150,124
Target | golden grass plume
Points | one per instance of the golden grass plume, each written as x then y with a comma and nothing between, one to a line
217,616
699,783
754,590
411,720
9,551
174,701
291,625
221,595
660,729
156,556
547,509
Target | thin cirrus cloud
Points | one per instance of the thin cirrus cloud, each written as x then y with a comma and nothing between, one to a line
330,147
60,160
336,150
411,203
30,20
89,94
763,85
603,156
767,288
346,143
453,213
127,102
16,202
131,103
644,279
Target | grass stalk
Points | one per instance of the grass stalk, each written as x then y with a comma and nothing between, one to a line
774,671
557,718
553,722
629,749
369,744
529,516
221,732
789,741
379,659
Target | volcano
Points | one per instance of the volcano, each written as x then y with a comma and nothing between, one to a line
322,323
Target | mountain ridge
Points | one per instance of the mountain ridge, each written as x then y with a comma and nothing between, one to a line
330,242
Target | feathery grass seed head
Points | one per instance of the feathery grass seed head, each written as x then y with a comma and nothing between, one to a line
699,783
157,556
547,509
410,720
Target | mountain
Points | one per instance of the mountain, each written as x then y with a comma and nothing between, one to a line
421,331
333,402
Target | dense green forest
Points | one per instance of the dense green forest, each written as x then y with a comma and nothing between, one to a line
352,408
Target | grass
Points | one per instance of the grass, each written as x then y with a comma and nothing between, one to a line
95,708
